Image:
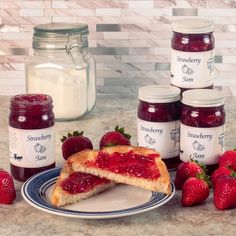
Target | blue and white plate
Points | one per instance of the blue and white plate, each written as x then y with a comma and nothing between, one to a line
121,200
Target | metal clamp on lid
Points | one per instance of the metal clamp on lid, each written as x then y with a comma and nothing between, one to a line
77,58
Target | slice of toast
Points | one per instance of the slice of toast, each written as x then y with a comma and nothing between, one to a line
131,165
61,197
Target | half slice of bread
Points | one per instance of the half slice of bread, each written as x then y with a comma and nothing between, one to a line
131,165
60,196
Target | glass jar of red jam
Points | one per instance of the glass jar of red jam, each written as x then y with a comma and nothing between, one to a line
158,121
31,137
192,53
202,126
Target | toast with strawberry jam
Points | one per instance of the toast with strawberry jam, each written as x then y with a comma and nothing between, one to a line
73,186
131,165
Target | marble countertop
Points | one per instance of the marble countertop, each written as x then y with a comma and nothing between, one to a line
22,219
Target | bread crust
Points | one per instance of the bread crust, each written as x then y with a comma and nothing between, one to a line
61,197
77,162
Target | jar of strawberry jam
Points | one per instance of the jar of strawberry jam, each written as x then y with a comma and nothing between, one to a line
158,121
31,137
202,126
192,53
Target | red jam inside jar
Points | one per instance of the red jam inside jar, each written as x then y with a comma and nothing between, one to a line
31,138
158,122
79,182
192,54
128,164
202,127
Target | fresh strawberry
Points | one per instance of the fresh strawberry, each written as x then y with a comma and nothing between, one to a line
185,170
228,159
113,138
75,142
219,173
7,188
195,191
225,192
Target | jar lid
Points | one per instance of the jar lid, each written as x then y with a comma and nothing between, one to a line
159,93
60,36
193,25
203,98
57,29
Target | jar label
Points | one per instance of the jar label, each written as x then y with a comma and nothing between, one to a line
192,69
202,144
31,148
161,136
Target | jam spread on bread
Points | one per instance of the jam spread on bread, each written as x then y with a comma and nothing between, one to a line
78,182
129,163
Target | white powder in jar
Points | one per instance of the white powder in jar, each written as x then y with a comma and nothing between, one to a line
68,88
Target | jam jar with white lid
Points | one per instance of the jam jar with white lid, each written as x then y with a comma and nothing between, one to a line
192,53
202,126
63,68
158,121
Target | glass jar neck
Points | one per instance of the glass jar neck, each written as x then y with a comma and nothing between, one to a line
193,42
76,47
31,104
60,43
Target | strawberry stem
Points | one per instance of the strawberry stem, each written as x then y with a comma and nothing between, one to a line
74,133
203,166
233,174
122,131
205,177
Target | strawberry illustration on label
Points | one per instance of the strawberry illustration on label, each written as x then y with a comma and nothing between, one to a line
149,140
197,146
187,70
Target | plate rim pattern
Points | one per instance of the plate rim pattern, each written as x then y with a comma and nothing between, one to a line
34,189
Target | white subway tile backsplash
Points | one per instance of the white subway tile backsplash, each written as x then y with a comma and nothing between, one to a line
225,36
13,59
12,89
232,89
108,12
182,4
228,82
128,19
19,36
106,58
12,67
64,4
7,77
217,12
84,12
185,11
139,58
116,35
141,4
8,5
100,82
135,43
9,28
130,38
108,74
69,12
31,12
225,44
25,4
103,4
146,12
229,59
66,19
160,51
